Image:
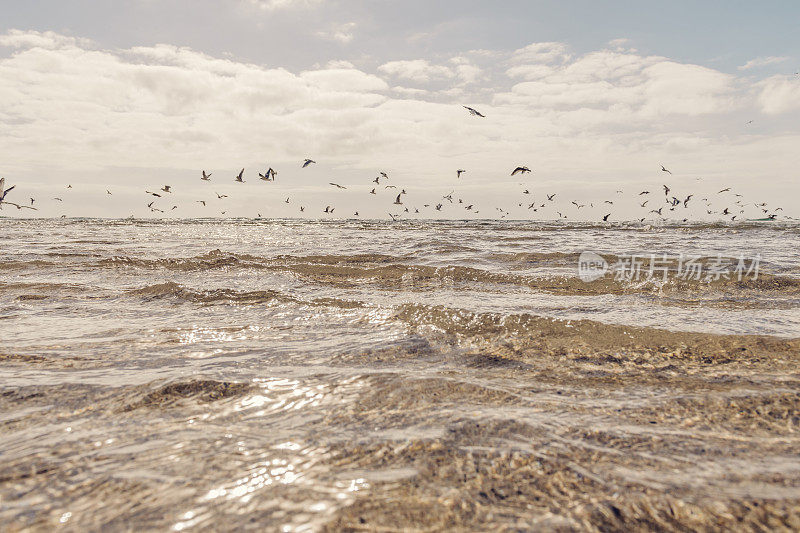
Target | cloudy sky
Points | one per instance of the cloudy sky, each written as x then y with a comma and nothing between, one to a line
593,96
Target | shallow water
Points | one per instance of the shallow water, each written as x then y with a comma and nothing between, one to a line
304,375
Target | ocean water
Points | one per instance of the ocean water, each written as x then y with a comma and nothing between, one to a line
363,375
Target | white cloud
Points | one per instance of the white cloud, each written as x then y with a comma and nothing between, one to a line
548,52
619,85
342,33
418,70
68,108
762,62
273,5
779,94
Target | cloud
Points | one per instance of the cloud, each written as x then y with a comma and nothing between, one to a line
779,94
619,85
418,70
274,5
342,33
69,108
762,62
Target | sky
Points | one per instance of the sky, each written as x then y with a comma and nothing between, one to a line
594,97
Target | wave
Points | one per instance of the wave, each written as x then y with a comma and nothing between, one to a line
171,289
171,393
524,336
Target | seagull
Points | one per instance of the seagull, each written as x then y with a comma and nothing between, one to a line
329,209
605,218
551,196
521,170
3,191
449,197
383,174
665,170
154,194
390,187
685,202
206,177
644,203
107,191
174,207
337,185
239,177
69,186
32,200
166,188
286,201
202,202
377,180
308,162
55,198
526,191
644,192
397,201
724,190
18,206
269,175
220,196
474,112
666,190
355,214
726,211
657,211
459,172
373,191
150,205
302,208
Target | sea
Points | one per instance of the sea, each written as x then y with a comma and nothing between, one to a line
356,375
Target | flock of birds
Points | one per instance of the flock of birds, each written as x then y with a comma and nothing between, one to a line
735,205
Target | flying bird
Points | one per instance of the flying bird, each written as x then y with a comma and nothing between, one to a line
474,112
665,170
397,201
520,170
337,185
3,191
220,196
166,188
459,172
154,194
308,162
206,177
239,177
